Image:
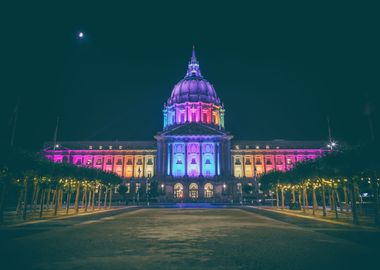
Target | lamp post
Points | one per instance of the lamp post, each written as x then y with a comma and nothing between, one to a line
147,190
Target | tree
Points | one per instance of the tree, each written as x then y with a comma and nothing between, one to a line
122,190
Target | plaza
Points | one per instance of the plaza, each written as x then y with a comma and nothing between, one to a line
188,238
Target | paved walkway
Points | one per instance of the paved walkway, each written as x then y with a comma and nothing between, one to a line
186,239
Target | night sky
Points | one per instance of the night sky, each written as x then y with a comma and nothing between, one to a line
280,69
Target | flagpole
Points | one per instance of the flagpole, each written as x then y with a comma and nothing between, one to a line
15,115
55,138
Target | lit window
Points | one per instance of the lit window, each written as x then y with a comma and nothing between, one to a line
110,147
267,147
257,147
120,147
100,147
277,147
90,147
289,161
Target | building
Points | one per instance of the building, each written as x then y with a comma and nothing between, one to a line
193,157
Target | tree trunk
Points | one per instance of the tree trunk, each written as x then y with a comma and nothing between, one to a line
19,202
375,192
304,199
105,198
42,202
33,197
3,200
315,203
333,201
56,201
84,197
86,201
60,198
48,198
282,199
345,194
76,205
25,198
277,199
89,199
93,200
110,204
376,201
323,200
338,200
355,218
68,199
99,195
35,202
300,197
293,196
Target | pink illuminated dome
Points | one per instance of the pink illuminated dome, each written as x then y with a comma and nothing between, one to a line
193,88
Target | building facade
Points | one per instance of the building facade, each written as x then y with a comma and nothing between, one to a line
193,157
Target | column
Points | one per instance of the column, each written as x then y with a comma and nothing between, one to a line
185,159
200,159
218,154
216,160
133,166
143,166
169,165
243,165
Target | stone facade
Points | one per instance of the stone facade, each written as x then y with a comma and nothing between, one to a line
193,157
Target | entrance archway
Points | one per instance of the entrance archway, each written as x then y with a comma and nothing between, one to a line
193,191
178,191
209,190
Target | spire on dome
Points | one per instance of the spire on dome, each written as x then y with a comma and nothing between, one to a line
193,57
193,67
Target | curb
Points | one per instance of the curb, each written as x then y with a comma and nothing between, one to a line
65,217
316,219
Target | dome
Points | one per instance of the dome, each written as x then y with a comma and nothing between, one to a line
193,88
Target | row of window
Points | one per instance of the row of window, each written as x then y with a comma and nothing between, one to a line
109,162
237,147
110,147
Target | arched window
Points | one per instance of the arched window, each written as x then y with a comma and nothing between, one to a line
209,190
178,191
193,191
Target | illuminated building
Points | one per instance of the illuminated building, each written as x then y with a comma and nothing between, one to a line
193,157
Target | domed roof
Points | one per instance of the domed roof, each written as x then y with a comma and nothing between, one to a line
193,88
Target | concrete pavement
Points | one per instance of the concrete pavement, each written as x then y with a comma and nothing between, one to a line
186,239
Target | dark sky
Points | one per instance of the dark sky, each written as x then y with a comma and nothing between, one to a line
280,69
